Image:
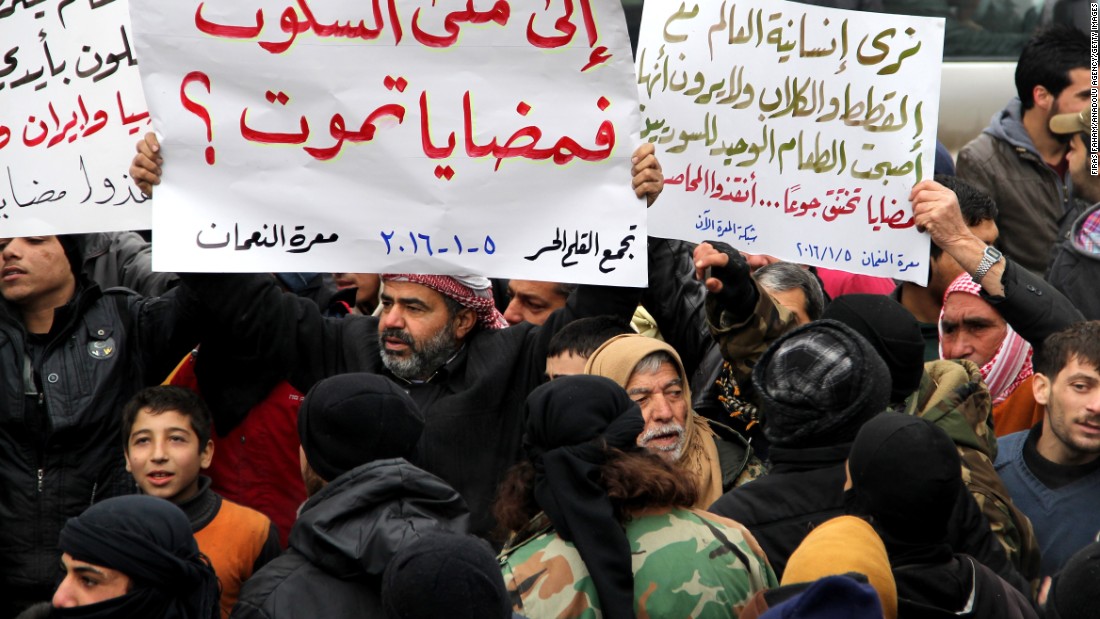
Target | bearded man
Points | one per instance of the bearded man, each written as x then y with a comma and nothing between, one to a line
652,374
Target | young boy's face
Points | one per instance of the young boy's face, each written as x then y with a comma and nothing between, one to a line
165,456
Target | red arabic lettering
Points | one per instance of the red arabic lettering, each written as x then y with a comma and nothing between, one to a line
292,24
31,142
563,151
126,118
431,150
364,134
498,14
228,32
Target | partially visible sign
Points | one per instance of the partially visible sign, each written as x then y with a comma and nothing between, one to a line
71,110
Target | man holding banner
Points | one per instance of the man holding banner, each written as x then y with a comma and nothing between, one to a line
439,337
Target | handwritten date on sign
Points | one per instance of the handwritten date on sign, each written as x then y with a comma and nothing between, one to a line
419,243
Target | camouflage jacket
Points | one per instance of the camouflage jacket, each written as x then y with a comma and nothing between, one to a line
687,563
742,344
952,396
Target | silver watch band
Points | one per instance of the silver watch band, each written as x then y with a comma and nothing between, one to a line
989,258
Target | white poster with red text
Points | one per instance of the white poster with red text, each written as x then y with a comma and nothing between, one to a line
446,136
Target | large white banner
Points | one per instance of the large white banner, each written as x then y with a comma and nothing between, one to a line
71,109
792,130
445,136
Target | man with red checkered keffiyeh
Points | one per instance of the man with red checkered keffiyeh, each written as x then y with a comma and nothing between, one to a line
415,338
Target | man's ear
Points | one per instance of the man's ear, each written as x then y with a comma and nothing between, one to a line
1042,97
465,320
1040,388
206,456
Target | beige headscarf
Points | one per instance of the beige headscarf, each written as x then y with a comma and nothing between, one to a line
616,359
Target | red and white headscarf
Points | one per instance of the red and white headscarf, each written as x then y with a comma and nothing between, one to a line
469,291
1011,364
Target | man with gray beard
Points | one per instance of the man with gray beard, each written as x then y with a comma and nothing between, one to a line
653,376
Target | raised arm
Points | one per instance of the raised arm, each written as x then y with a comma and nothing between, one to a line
1034,308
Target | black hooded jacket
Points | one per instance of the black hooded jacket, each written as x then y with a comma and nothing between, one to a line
344,538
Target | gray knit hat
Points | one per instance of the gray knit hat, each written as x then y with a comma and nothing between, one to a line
818,384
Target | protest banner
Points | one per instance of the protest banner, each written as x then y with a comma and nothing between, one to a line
792,130
433,137
71,109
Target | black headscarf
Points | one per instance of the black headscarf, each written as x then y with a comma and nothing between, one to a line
460,571
906,477
149,540
570,424
1074,594
891,330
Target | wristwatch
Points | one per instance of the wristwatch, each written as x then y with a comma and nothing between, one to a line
991,257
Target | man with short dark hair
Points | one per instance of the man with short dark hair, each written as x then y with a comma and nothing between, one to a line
533,301
571,347
1018,161
1053,470
1075,269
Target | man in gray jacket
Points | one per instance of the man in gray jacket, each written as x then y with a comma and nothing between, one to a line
1018,161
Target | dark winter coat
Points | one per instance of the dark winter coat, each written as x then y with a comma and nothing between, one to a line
344,538
803,488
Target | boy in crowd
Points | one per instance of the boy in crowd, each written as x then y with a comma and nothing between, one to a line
166,439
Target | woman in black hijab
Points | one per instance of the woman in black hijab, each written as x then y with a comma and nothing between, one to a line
600,523
905,477
149,541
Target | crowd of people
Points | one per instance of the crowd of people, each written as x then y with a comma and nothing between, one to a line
744,437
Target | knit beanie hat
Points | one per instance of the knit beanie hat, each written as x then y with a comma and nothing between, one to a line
842,545
818,384
1075,592
73,244
349,420
445,575
892,330
832,597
